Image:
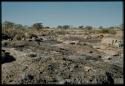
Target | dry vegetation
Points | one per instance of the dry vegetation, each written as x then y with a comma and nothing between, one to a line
43,55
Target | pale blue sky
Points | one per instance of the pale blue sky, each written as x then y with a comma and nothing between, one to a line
61,13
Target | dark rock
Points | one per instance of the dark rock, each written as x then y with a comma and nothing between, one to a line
6,57
50,67
67,81
6,37
27,77
43,35
76,66
33,36
72,43
32,55
109,58
116,55
116,71
109,77
84,44
99,56
64,59
5,43
91,52
3,50
102,79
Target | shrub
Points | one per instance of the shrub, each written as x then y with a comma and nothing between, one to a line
37,26
19,36
9,32
104,31
107,31
16,34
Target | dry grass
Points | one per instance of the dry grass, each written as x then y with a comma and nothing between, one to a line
19,34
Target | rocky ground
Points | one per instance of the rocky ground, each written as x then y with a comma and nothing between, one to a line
62,59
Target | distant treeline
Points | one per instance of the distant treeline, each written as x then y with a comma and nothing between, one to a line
8,24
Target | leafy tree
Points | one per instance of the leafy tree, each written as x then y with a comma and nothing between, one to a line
37,26
66,26
81,27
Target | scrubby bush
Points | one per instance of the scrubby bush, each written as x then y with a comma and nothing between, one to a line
37,26
9,32
8,25
16,34
89,27
66,26
19,36
110,31
61,32
81,27
104,31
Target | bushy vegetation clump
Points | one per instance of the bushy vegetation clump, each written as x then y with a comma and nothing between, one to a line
104,31
19,32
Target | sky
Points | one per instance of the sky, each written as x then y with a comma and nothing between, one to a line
64,13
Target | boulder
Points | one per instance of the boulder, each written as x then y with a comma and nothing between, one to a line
6,57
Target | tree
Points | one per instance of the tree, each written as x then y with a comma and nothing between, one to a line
81,27
18,26
37,26
101,27
66,26
8,25
89,27
59,26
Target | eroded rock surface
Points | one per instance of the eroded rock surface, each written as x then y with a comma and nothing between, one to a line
60,59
